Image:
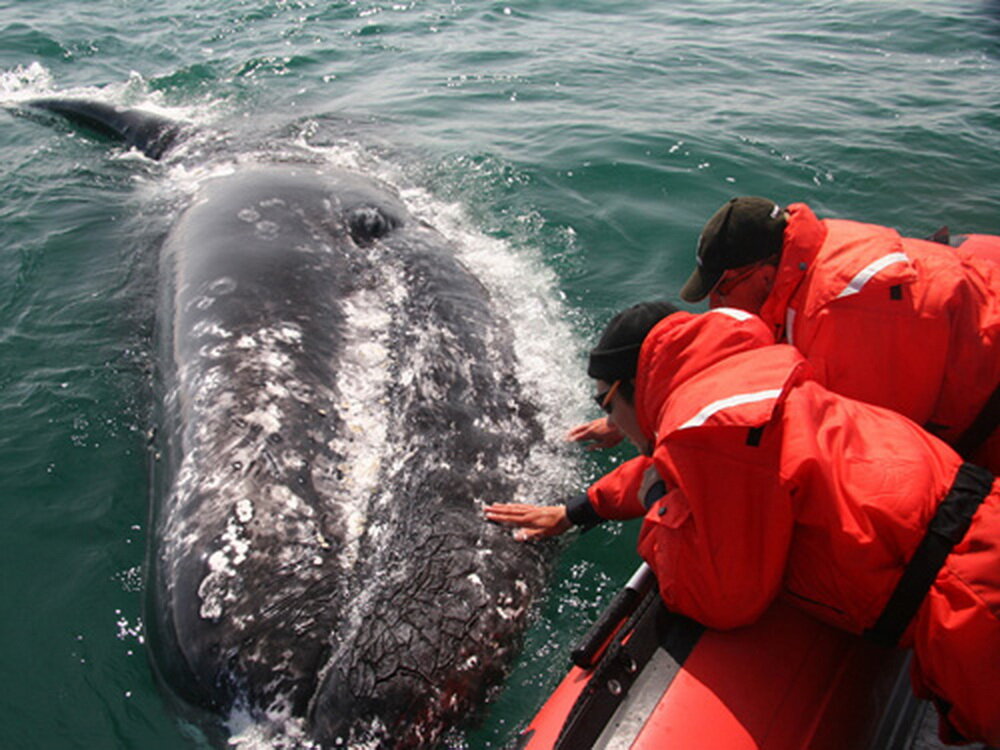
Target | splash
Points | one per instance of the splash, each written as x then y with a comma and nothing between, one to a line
279,732
25,82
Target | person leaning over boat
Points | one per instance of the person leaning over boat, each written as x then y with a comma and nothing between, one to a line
909,324
776,486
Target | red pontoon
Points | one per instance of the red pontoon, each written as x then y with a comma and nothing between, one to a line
648,679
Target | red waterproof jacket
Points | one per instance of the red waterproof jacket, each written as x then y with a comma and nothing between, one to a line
904,323
780,487
978,246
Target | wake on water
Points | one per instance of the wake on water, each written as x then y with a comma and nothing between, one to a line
522,287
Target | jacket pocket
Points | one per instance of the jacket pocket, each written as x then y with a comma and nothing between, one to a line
671,511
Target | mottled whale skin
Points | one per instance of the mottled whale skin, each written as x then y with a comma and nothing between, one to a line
338,399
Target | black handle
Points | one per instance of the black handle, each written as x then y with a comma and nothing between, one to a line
592,643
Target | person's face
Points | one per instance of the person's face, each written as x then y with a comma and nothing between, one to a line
621,414
745,288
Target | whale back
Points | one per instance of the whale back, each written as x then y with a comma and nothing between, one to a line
339,397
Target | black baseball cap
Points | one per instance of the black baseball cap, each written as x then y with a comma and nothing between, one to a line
744,231
616,355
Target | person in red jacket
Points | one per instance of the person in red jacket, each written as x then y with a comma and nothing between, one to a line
909,324
773,485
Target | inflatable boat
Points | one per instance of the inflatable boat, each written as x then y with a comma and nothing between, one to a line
648,679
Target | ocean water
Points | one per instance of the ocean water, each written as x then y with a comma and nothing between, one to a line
572,149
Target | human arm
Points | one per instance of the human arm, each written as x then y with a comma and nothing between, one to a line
599,433
531,521
614,496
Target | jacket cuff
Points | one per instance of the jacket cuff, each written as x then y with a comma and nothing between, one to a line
581,512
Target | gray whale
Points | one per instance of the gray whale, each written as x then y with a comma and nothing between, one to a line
338,397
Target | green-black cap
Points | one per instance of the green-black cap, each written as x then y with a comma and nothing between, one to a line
744,231
616,355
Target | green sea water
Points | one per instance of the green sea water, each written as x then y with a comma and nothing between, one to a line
584,141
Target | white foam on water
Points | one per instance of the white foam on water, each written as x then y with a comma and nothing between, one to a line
342,155
279,732
25,82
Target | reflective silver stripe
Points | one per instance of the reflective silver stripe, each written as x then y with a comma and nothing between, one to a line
868,272
732,312
724,403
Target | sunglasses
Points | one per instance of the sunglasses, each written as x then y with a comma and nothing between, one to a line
604,399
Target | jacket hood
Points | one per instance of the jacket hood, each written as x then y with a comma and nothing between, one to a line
685,345
854,255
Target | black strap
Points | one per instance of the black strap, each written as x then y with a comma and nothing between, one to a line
652,626
656,490
950,522
984,425
589,648
580,511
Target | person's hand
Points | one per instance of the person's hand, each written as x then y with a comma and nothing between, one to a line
532,521
597,434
